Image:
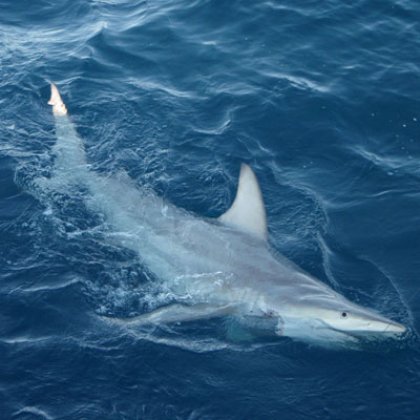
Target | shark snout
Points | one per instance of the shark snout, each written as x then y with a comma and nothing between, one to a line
385,325
382,326
395,328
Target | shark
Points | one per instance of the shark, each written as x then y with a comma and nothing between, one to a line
214,268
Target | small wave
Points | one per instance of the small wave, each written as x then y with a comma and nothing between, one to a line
24,339
389,163
298,81
151,85
219,127
47,287
32,410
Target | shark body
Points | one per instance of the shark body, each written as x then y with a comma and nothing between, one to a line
215,268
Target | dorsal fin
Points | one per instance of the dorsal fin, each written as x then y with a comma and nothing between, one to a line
247,212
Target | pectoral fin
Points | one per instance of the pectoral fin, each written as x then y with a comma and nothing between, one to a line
176,313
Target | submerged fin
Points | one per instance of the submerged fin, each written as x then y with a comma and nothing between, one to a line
176,313
59,109
247,212
237,333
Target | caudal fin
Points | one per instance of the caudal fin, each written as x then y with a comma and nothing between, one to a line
59,109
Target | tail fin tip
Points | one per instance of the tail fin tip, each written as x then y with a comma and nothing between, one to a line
59,108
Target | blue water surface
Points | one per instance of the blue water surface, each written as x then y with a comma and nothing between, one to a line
320,97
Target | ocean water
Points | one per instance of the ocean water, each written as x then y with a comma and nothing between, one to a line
320,98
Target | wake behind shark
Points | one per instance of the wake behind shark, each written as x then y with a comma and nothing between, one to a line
215,268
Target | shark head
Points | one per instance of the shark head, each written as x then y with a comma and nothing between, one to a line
356,320
332,317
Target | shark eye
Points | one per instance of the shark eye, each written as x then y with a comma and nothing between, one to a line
343,314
